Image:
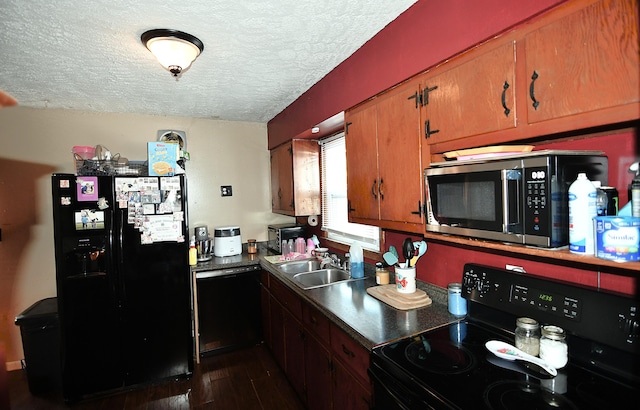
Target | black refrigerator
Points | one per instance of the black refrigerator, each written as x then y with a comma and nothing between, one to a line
123,281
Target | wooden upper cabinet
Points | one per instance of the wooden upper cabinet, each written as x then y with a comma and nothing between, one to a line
475,97
399,157
583,62
384,183
295,178
362,162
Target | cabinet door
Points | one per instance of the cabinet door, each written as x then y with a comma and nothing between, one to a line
348,393
306,177
362,162
399,156
266,315
277,331
282,179
584,62
294,353
472,98
318,374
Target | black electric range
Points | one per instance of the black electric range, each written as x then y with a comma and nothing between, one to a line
450,368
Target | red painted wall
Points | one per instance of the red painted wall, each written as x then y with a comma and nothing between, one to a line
429,32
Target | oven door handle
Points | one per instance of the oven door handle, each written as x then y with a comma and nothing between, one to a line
511,194
390,392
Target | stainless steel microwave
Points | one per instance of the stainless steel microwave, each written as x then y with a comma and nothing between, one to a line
283,232
517,198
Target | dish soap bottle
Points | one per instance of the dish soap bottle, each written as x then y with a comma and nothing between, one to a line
356,261
193,253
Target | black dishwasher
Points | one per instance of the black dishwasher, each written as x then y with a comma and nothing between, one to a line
229,314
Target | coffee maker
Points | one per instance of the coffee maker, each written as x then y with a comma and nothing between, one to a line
204,244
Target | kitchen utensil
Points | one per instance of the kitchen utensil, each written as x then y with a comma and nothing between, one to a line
420,249
390,258
393,250
407,251
509,352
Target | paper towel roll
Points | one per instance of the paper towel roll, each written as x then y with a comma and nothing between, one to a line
313,220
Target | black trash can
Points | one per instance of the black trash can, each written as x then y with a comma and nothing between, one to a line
40,331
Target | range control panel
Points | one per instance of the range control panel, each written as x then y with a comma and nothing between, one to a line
546,301
593,314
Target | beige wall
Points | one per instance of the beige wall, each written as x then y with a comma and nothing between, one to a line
37,142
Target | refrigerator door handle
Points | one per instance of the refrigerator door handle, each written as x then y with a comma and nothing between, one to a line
120,244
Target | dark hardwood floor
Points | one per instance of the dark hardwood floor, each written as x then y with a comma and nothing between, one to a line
241,379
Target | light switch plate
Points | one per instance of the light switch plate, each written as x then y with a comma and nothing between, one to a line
225,190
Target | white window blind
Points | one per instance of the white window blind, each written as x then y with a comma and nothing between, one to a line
334,199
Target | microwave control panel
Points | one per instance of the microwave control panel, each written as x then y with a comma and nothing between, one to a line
537,201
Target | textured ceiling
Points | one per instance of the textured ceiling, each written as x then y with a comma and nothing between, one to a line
259,55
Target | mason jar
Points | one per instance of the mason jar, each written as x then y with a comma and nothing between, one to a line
528,335
553,346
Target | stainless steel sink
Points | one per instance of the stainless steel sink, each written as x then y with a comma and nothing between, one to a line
300,266
323,277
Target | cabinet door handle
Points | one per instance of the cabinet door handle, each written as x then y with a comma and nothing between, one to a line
350,208
419,212
380,188
504,99
347,351
425,94
532,89
427,129
374,191
418,97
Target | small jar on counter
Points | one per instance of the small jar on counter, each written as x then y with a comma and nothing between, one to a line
252,247
456,303
528,335
553,346
382,274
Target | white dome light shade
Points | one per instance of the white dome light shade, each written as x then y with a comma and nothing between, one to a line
174,49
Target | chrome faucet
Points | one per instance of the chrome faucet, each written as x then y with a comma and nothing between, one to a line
331,260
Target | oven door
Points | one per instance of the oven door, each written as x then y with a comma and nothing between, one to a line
475,202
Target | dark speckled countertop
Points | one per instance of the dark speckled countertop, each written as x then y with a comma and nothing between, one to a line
349,306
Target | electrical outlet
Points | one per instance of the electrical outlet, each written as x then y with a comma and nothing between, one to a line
225,190
515,268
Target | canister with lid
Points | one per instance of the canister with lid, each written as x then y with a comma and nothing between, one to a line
456,303
553,346
528,335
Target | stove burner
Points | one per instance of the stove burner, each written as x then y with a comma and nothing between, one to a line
439,356
521,395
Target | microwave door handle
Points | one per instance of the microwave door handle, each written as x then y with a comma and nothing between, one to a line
510,177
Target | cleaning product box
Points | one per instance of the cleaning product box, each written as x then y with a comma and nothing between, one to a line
162,158
617,238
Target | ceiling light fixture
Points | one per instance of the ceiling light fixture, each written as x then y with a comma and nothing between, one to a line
174,49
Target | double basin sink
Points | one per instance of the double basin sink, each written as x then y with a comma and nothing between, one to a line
308,274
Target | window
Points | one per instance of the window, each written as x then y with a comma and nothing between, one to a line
333,159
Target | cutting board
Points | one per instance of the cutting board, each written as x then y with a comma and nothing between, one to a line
404,301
